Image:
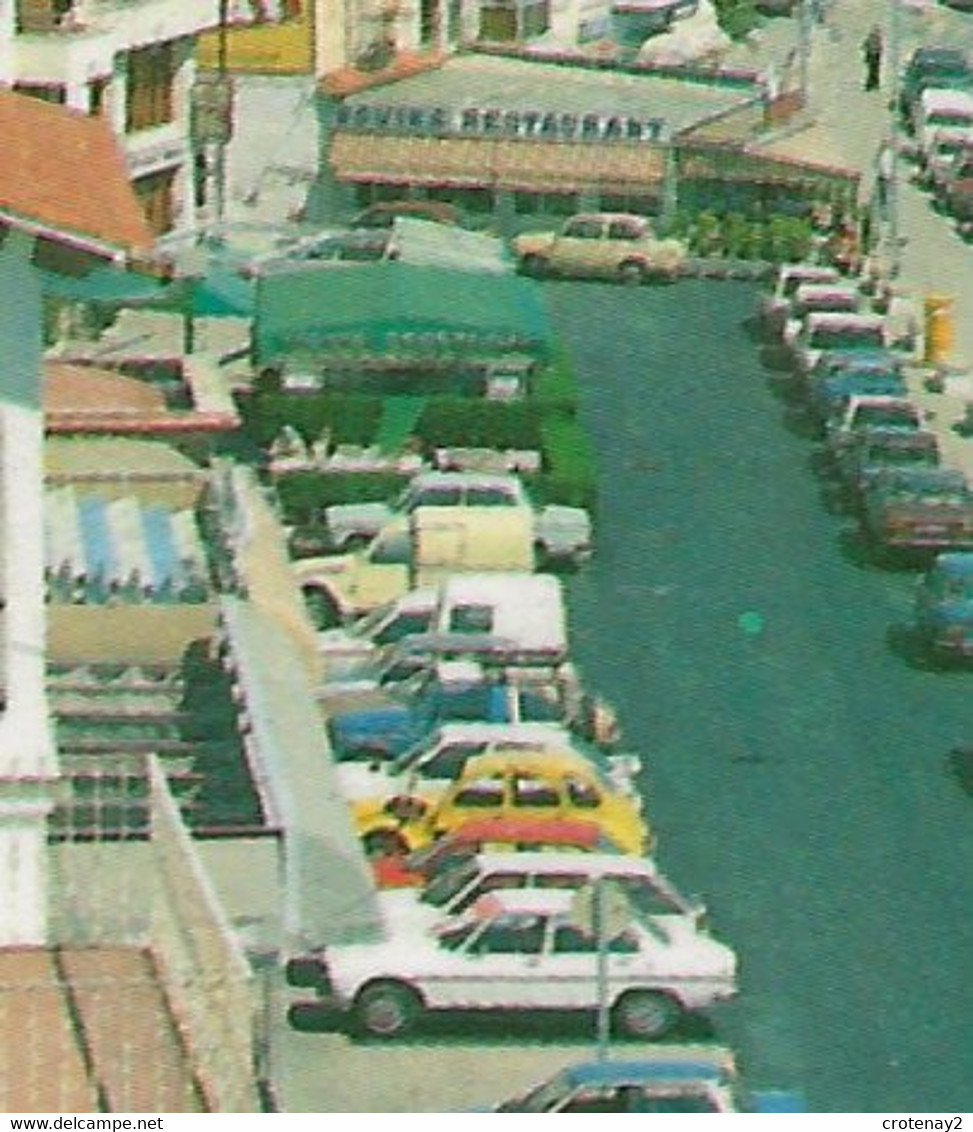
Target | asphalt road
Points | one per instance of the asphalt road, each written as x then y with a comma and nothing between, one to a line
795,763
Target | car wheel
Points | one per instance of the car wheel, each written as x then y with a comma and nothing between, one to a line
631,273
535,266
646,1014
387,1010
384,843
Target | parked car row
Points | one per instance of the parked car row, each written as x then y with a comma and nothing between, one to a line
881,463
936,105
489,792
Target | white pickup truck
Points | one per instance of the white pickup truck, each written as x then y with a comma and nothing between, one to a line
560,533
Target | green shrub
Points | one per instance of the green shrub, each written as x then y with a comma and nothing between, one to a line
737,17
304,495
555,388
351,418
569,474
469,423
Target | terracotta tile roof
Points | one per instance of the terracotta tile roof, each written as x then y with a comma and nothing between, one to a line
64,170
349,80
87,389
97,1033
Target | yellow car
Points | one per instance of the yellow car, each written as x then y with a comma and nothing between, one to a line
605,245
505,784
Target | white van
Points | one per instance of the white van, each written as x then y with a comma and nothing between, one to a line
942,110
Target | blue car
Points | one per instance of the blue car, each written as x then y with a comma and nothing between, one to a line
829,394
384,732
944,605
690,1081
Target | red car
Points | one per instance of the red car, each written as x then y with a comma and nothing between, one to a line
475,836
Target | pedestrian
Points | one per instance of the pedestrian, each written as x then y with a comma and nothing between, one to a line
884,172
872,54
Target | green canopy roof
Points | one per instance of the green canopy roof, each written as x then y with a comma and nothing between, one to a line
103,284
391,307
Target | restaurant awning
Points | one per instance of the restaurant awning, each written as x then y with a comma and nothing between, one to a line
497,163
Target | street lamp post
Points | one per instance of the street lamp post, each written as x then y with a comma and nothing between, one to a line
893,56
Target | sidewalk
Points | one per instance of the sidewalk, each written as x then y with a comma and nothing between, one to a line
932,257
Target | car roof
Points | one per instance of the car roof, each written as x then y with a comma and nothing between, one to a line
809,271
613,1073
546,862
949,478
550,733
566,831
504,901
956,563
843,318
464,479
820,290
944,98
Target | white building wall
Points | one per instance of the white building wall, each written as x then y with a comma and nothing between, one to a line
97,49
28,761
24,875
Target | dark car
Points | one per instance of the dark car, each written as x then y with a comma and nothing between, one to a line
931,67
383,214
877,450
919,509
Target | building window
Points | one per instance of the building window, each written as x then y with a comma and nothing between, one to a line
470,200
42,15
155,195
498,25
546,204
46,92
151,77
535,20
640,204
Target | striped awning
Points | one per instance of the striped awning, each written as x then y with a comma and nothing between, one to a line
497,163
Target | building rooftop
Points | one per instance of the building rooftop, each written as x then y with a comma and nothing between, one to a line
80,389
483,81
63,171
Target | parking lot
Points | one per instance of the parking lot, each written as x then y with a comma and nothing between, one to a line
795,763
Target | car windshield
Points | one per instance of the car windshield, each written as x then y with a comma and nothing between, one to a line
846,337
449,883
874,416
453,938
950,118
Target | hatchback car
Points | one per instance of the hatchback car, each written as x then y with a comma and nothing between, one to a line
555,784
610,245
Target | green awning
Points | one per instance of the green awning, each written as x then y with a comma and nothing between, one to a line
395,307
103,284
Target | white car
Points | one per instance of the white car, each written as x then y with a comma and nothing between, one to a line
774,306
457,886
612,245
525,950
560,532
815,298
